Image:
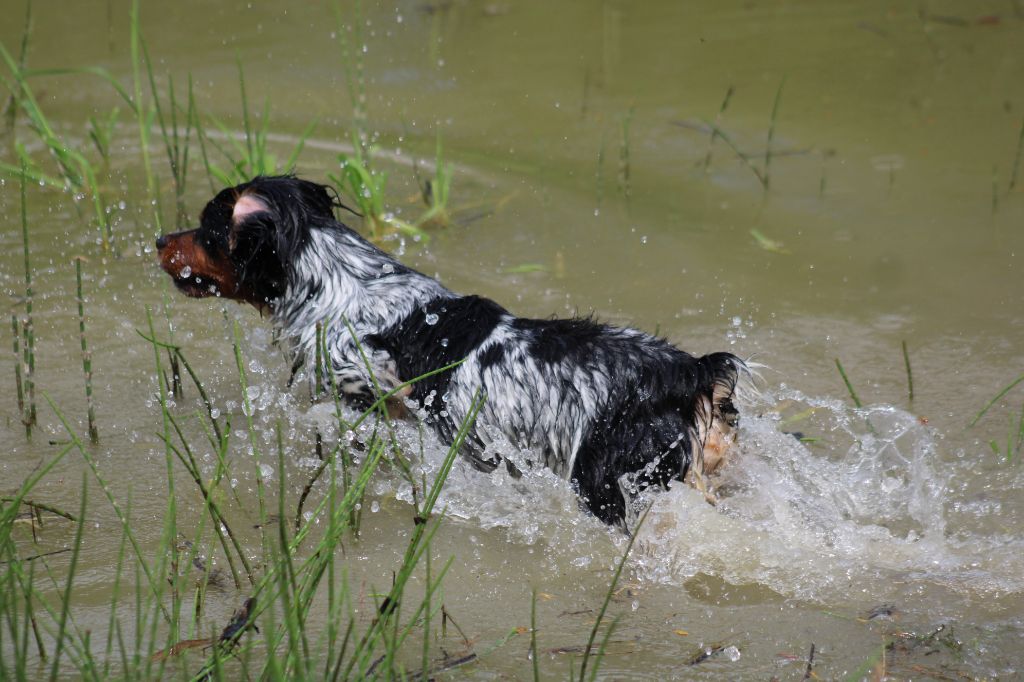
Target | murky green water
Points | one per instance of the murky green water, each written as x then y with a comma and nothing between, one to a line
580,136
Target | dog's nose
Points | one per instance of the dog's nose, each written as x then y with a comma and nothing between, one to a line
161,242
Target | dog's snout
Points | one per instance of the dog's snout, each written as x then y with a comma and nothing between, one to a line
161,242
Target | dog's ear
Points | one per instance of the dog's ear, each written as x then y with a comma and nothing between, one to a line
317,200
262,246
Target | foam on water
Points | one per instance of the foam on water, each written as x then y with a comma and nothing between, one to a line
862,511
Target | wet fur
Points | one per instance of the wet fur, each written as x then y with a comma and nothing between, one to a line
614,410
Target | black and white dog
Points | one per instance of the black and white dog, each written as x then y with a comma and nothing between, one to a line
614,410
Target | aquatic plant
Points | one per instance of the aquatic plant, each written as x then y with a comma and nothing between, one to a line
436,192
766,174
365,187
28,328
76,170
94,435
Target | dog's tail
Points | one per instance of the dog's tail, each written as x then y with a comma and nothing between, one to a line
720,378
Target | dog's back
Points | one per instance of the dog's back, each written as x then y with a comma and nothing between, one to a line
615,410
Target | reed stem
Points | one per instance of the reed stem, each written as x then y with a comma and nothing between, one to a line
16,332
910,375
94,434
29,417
849,386
771,135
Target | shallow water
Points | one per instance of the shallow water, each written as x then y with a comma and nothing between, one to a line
579,136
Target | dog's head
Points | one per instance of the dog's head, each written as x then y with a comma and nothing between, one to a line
247,239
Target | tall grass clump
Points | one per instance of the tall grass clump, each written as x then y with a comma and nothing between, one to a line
77,172
365,187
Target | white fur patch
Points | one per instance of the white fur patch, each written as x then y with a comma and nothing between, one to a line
247,204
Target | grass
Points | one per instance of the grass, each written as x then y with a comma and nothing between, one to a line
625,165
436,192
94,434
366,189
910,374
28,327
76,170
771,135
1015,169
297,576
715,131
143,117
849,386
284,595
247,155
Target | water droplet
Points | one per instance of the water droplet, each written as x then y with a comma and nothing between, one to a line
444,343
732,653
375,506
185,272
431,319
388,268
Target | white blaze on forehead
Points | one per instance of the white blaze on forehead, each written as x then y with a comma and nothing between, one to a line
247,204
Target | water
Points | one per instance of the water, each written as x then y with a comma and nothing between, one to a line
578,134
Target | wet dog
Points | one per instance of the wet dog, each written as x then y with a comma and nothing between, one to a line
614,410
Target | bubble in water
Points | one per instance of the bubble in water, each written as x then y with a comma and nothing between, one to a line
375,506
431,319
266,471
388,268
732,653
185,272
444,343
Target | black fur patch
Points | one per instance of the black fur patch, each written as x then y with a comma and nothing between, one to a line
440,333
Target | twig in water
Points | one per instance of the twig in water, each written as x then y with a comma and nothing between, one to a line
38,556
809,673
44,507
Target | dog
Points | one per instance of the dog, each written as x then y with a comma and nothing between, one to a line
614,410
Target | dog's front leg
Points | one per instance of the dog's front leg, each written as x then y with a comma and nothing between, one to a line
365,383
